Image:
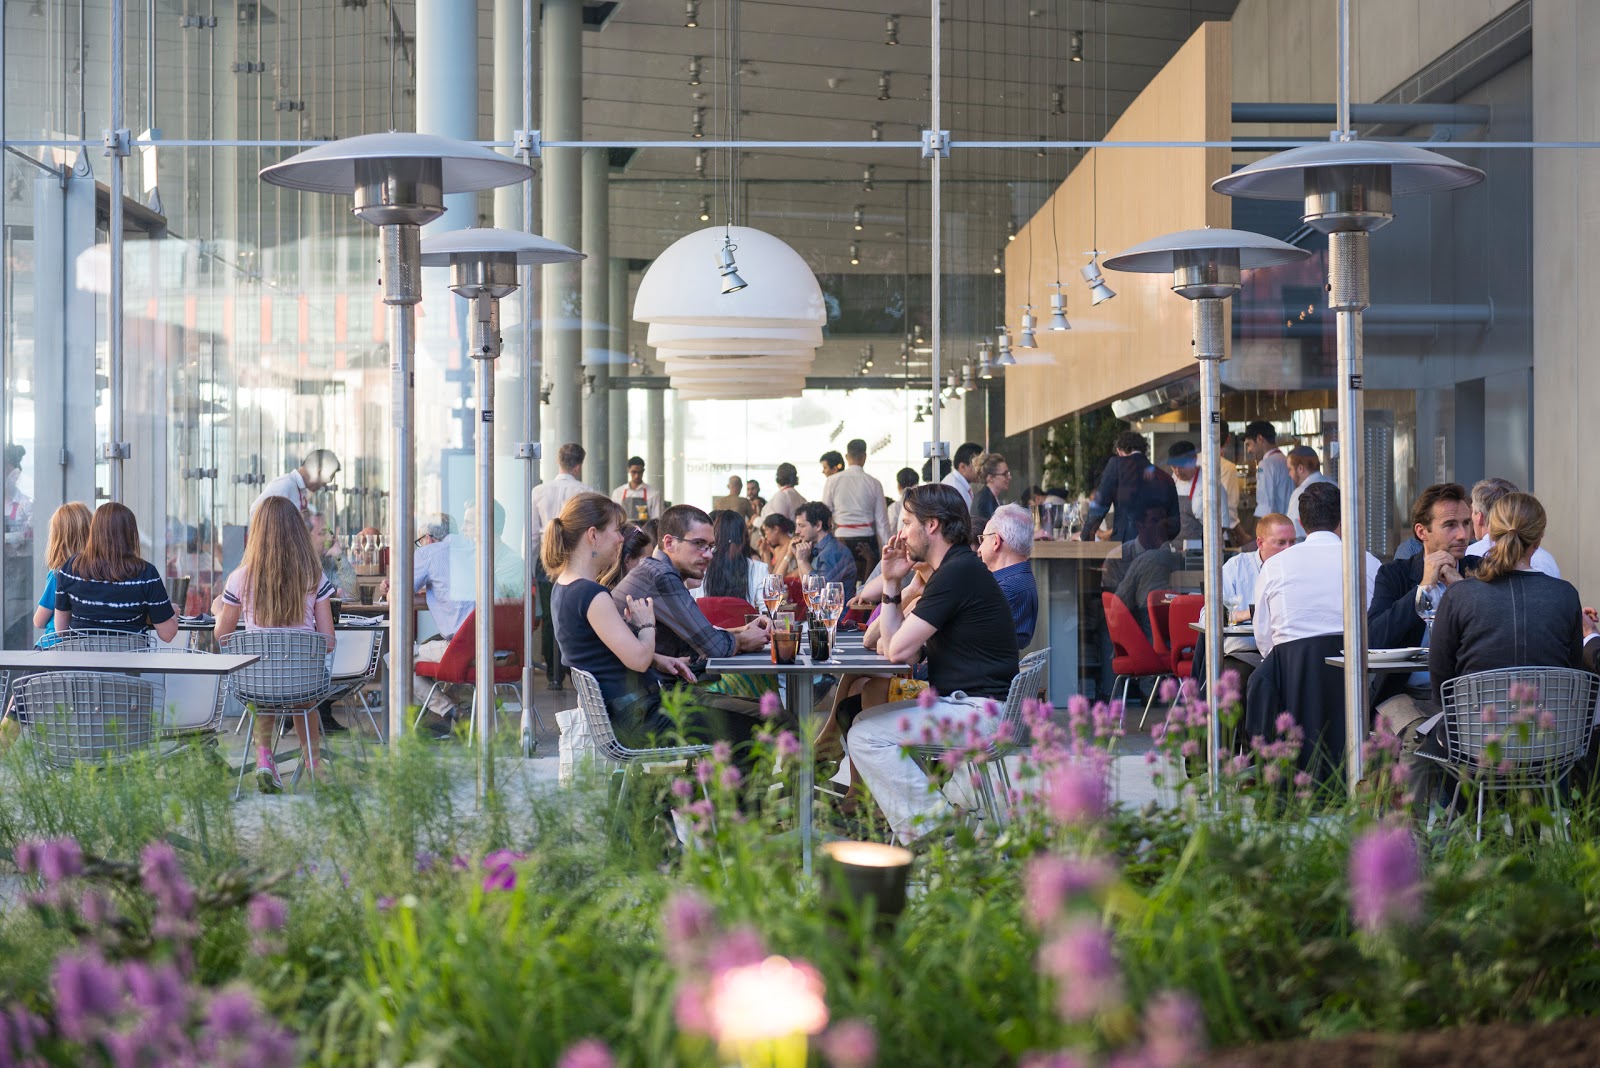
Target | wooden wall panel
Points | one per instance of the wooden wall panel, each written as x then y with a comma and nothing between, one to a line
1142,336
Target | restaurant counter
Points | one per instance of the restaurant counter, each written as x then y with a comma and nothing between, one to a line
1067,572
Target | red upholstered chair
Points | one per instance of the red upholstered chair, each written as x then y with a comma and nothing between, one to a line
459,664
1182,638
1133,657
1156,604
726,611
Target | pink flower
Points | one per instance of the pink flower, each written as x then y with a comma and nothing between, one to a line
1050,880
767,999
721,752
501,870
164,879
1168,692
690,1010
1086,972
1302,780
738,948
1174,1031
770,705
788,745
1285,722
927,699
850,1044
682,789
587,1053
1076,792
687,920
1385,878
730,778
267,913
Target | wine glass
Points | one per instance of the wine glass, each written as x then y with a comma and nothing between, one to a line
811,586
772,594
833,607
1428,603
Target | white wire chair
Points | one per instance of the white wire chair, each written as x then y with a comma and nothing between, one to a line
1030,673
357,656
289,680
593,705
1556,706
91,717
97,640
194,704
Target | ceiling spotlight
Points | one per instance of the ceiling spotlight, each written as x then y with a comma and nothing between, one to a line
855,255
700,162
877,131
866,356
1011,230
985,366
1097,285
731,282
891,30
691,13
694,70
1003,343
1058,100
633,358
1075,46
1025,335
1039,152
919,418
998,266
697,125
705,209
861,218
969,378
883,86
866,178
1058,307
1005,359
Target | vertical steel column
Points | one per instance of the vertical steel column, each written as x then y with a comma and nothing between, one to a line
563,202
528,448
655,451
596,276
1347,299
399,256
1211,348
508,99
936,237
680,491
485,349
116,140
617,417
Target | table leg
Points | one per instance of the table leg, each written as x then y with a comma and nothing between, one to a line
801,694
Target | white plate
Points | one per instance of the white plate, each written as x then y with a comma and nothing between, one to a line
1394,656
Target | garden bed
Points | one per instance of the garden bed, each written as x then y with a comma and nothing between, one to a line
1560,1044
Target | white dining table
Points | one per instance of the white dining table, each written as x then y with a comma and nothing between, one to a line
33,661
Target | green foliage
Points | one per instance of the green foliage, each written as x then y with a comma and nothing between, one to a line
1077,447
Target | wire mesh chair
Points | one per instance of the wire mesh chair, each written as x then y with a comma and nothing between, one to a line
1539,719
1030,674
98,640
193,705
600,729
290,680
90,717
357,656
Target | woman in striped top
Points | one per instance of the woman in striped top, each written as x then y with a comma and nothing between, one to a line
280,584
69,533
109,586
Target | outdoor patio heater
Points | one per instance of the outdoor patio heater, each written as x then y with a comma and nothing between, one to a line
1206,268
399,181
483,268
1349,187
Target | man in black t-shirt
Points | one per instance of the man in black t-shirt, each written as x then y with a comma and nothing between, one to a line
962,624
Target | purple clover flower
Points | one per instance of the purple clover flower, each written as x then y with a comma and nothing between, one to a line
586,1053
1080,960
165,881
788,745
1076,793
88,993
267,913
770,705
850,1044
927,699
687,921
1174,1031
1385,878
1050,880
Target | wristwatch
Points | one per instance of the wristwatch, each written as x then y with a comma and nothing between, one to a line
891,600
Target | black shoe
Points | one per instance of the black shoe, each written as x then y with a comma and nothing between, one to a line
331,725
439,728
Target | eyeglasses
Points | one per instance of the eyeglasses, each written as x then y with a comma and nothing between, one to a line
418,542
700,545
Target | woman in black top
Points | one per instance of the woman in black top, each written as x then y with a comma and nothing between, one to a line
728,574
1507,614
995,474
109,586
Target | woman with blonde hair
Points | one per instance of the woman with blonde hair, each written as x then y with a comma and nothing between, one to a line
616,646
109,585
279,584
69,533
1507,614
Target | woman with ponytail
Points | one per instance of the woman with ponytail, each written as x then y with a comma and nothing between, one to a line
1507,614
618,648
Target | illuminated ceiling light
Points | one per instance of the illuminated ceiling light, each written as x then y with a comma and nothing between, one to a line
891,30
731,282
883,86
985,366
694,70
866,356
705,209
1025,338
1011,230
1075,46
691,13
860,218
697,125
1058,308
855,255
866,177
999,267
1097,285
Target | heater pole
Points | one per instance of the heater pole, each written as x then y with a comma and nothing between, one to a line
1347,298
1211,348
400,257
485,347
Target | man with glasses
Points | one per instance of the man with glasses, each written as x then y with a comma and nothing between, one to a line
681,628
1005,548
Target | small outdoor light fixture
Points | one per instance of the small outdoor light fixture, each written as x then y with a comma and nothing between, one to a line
866,356
731,282
691,13
876,133
483,268
999,264
1075,46
919,419
705,209
1025,339
1348,189
860,218
700,162
399,182
1205,266
1058,100
855,254
866,177
985,366
694,70
883,86
1058,307
891,30
1098,290
697,124
969,379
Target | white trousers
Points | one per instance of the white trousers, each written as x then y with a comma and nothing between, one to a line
898,784
441,705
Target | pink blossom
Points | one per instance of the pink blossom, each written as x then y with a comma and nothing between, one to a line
1076,792
1285,722
690,1010
788,745
1546,720
586,1053
1168,692
770,705
267,913
850,1044
904,724
730,778
927,699
1302,780
739,947
687,920
1049,880
703,771
682,789
165,881
1385,878
1488,714
721,751
1174,1031
1085,970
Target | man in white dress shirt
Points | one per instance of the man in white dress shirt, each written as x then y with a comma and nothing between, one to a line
1274,534
1273,484
1306,470
1484,495
860,513
964,470
1300,592
319,468
548,500
635,494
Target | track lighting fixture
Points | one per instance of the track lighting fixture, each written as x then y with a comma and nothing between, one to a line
691,13
1025,338
705,209
697,125
883,86
1011,230
1075,46
1058,307
1058,100
866,356
860,218
866,178
1002,342
694,70
999,267
969,378
891,30
985,366
700,162
877,131
855,255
